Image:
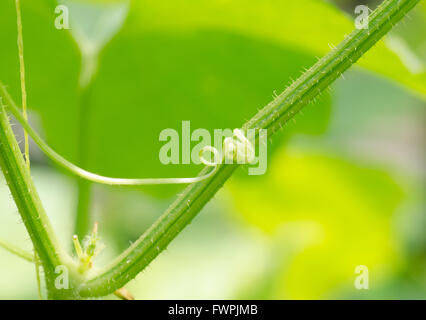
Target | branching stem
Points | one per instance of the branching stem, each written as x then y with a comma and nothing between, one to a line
22,76
272,117
26,198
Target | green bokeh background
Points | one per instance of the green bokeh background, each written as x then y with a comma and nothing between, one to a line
345,181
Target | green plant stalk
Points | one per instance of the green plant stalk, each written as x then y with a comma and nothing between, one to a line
22,76
25,195
83,217
273,117
25,115
27,199
87,75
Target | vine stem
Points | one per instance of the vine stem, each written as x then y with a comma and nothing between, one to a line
22,77
272,117
25,116
90,176
27,199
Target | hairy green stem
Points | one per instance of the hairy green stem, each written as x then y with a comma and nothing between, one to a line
27,199
25,195
273,117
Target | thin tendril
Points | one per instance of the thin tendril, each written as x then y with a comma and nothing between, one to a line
239,149
30,257
22,77
17,251
61,161
37,268
25,116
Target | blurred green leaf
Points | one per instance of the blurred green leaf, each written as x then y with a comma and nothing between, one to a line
214,63
148,80
210,62
52,68
215,80
309,25
408,42
351,205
